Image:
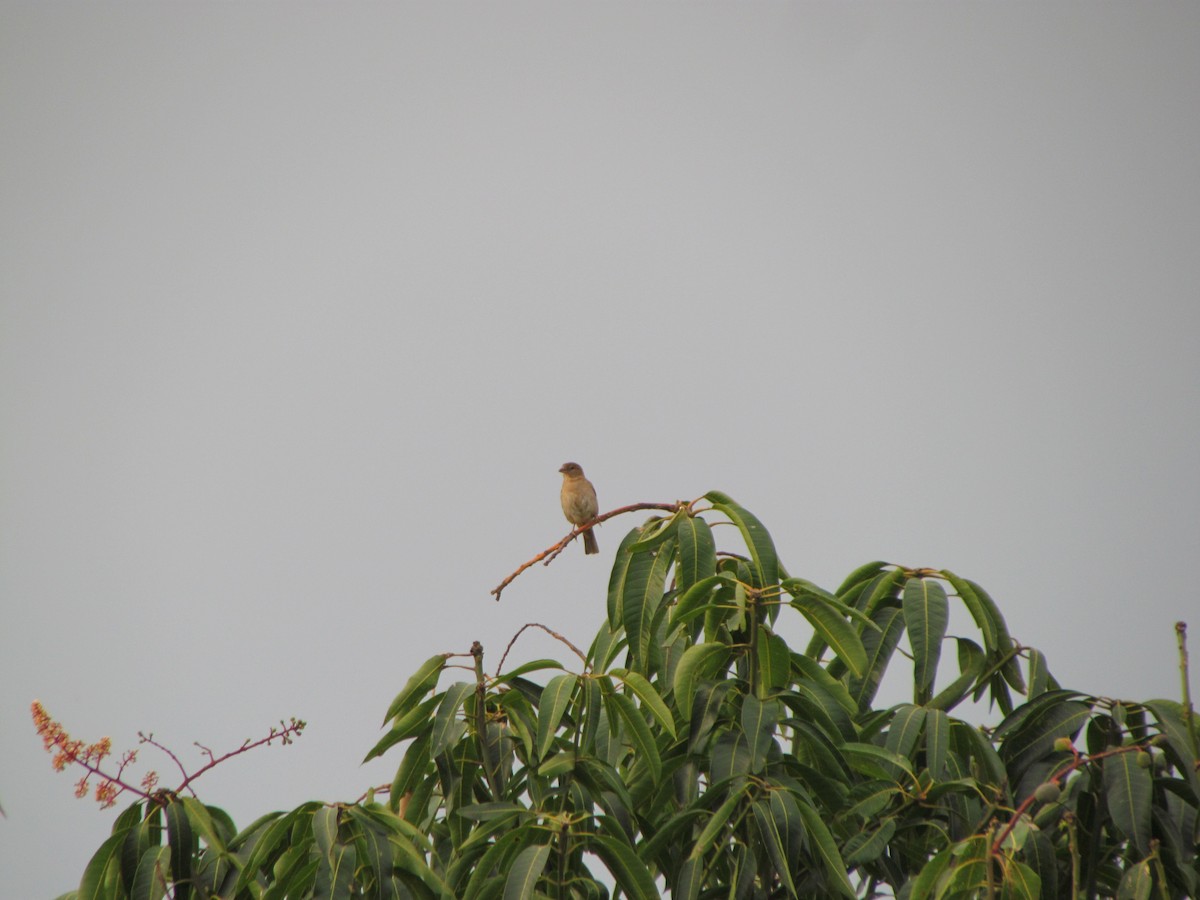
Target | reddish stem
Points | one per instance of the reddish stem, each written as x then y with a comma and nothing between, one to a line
1077,763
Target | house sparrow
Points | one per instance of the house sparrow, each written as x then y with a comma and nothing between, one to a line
579,502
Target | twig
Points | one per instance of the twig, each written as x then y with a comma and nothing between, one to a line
1078,762
149,739
373,790
549,631
489,765
1181,640
556,548
286,734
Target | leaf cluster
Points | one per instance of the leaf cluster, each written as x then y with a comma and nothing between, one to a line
699,753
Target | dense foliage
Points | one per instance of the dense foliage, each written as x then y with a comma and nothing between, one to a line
692,750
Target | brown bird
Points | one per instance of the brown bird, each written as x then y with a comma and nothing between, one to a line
579,502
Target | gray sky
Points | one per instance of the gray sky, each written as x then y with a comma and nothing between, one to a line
301,308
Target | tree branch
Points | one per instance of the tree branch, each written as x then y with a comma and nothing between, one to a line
556,548
549,631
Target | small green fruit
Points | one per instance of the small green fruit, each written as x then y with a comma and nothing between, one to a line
1143,760
1063,744
1048,792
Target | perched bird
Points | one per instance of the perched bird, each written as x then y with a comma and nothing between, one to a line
579,502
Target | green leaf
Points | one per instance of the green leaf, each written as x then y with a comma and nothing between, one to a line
499,857
1020,882
905,731
400,836
881,588
924,884
774,662
788,821
826,851
668,837
650,698
628,576
926,613
969,743
640,601
1180,745
1137,883
980,612
202,821
867,846
876,762
970,878
183,848
631,874
822,708
730,757
706,707
268,841
713,827
696,599
697,552
555,698
495,745
991,622
335,873
1028,712
409,725
422,682
937,743
1128,790
773,841
972,664
525,872
759,721
656,531
1040,679
590,705
603,778
484,812
248,837
1034,740
643,739
150,879
103,868
698,661
325,828
758,540
829,621
607,644
558,764
809,670
804,586
869,798
413,767
535,665
141,834
860,575
372,839
690,880
879,647
447,728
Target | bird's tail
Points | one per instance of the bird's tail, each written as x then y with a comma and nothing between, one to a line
589,542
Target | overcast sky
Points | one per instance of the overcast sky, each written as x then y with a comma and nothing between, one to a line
301,308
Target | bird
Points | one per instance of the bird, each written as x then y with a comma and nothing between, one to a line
579,502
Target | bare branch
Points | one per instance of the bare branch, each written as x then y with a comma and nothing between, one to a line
556,548
549,631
